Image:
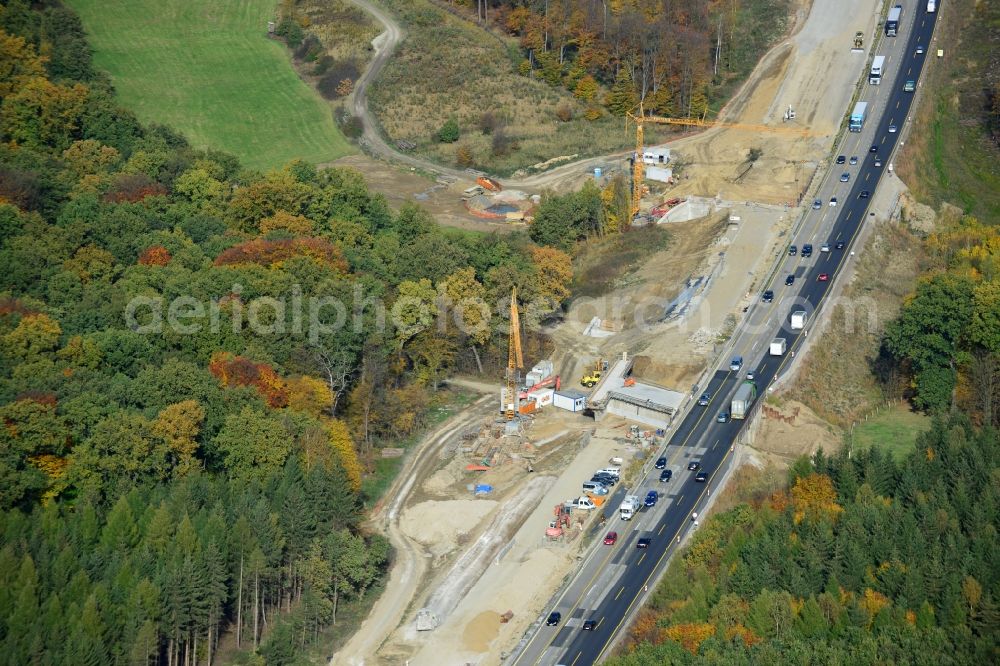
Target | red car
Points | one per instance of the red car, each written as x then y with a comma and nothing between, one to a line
823,277
611,539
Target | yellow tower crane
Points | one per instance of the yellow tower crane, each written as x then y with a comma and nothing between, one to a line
514,358
639,168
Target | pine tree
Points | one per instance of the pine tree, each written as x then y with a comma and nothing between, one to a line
623,97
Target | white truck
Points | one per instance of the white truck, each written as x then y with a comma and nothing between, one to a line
778,346
630,506
798,320
931,6
583,503
877,70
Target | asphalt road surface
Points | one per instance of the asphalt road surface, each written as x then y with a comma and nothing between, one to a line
612,579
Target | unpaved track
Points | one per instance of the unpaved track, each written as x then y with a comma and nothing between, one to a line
409,564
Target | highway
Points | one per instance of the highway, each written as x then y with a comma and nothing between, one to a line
612,580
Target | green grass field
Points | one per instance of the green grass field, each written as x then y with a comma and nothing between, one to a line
208,70
894,430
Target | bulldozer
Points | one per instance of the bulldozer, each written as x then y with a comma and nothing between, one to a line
591,380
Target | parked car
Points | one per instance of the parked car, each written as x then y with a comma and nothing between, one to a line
701,477
666,475
643,542
767,296
611,539
661,463
694,466
554,618
651,497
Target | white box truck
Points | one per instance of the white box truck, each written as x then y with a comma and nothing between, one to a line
931,6
878,68
630,506
798,320
778,346
744,397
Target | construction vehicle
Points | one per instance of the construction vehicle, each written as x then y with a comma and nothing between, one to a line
550,382
591,380
515,359
639,167
489,183
859,40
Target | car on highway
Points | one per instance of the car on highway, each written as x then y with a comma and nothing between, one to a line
825,247
841,159
736,364
611,539
554,618
854,160
878,162
845,177
833,201
589,625
666,475
864,194
767,296
892,129
694,466
840,245
704,400
701,477
751,375
817,204
807,251
823,277
789,280
651,498
874,148
920,49
723,417
643,542
793,250
661,463
909,86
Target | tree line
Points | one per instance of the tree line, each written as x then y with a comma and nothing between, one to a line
862,560
171,478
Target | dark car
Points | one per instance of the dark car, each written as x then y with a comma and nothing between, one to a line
909,86
643,542
839,245
694,465
873,149
606,479
666,475
792,250
704,400
554,618
790,280
841,159
864,194
589,625
701,477
767,296
661,463
651,498
807,250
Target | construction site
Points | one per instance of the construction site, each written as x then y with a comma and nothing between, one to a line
488,517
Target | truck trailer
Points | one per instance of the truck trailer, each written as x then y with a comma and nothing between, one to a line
892,21
778,346
630,506
878,68
745,395
858,117
798,320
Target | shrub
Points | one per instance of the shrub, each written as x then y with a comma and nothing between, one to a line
463,155
449,132
350,125
291,31
309,49
503,143
564,112
489,122
331,86
323,65
593,113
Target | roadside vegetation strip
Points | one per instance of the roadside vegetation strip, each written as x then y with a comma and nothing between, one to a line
209,71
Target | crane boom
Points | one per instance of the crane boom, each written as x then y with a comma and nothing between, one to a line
514,357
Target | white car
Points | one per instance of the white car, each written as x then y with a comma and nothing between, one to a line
833,201
892,129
